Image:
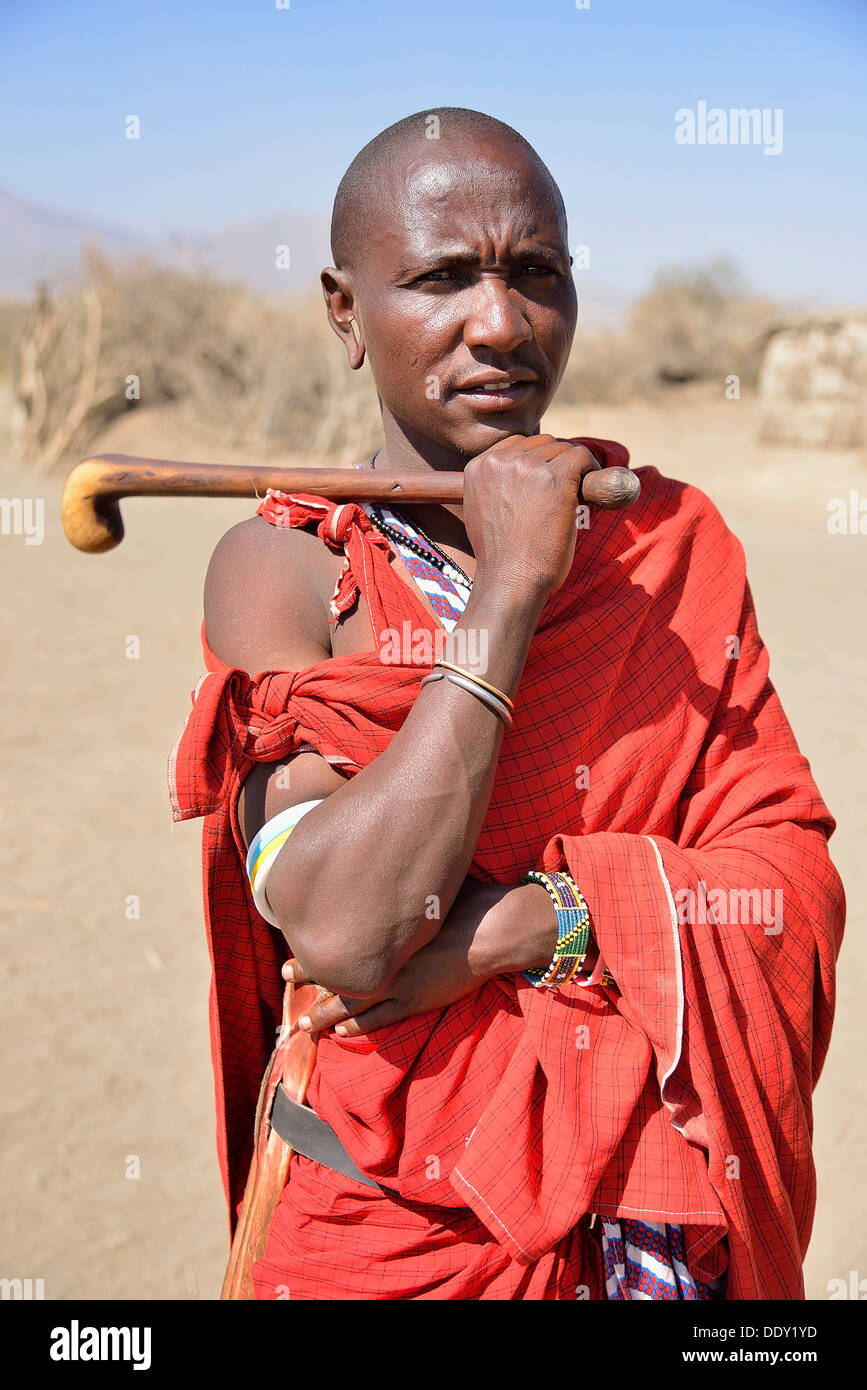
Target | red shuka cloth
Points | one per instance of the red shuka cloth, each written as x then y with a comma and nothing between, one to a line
687,1097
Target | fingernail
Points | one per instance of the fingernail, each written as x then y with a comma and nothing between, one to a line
288,972
304,1022
341,1030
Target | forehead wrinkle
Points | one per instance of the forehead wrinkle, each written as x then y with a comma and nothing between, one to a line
441,185
429,251
436,178
437,213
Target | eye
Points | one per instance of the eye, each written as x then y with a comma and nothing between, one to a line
445,275
429,275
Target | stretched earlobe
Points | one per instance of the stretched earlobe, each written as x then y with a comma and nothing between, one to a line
338,294
356,354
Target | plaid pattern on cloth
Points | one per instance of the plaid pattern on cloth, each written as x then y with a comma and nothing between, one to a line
685,1098
642,1260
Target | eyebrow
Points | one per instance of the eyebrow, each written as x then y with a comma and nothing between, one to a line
448,256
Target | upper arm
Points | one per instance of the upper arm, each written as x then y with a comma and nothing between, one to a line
263,608
264,611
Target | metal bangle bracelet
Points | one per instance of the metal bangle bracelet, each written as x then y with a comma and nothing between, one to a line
480,693
492,689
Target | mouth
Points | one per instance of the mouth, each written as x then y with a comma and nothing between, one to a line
497,394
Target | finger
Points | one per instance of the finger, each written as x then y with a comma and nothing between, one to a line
582,461
610,488
545,444
389,1011
293,970
329,1011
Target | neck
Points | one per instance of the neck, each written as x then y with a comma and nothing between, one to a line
406,451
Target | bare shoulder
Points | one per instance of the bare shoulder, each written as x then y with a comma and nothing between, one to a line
265,605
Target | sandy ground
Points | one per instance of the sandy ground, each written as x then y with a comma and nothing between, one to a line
108,1173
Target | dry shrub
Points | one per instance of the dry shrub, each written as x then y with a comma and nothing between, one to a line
692,325
270,376
13,319
601,367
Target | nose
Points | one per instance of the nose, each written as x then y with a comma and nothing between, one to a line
495,318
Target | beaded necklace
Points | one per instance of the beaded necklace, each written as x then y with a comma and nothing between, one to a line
435,555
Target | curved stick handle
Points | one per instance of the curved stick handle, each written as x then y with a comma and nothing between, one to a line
90,504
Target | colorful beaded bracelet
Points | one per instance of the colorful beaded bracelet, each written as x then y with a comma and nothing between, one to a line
573,929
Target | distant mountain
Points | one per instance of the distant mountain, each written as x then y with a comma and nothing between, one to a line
38,242
43,242
249,252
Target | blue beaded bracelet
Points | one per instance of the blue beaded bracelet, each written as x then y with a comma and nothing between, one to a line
573,930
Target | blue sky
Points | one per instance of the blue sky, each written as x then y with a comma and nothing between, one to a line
246,108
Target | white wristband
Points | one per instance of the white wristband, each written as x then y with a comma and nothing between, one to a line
264,848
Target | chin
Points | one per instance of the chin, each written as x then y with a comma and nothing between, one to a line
477,436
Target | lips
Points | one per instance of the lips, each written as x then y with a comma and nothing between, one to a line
496,392
494,389
490,384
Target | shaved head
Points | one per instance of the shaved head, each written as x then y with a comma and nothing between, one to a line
368,183
452,266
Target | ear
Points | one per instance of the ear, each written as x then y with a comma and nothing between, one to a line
343,314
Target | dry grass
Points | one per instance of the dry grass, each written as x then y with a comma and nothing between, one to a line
271,378
267,377
693,325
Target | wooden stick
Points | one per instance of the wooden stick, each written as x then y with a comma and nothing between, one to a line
90,505
291,1065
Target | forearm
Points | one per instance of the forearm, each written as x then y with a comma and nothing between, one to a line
492,929
518,931
369,875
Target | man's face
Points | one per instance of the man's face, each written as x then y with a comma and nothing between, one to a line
466,277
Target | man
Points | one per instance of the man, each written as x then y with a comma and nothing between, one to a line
492,1133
